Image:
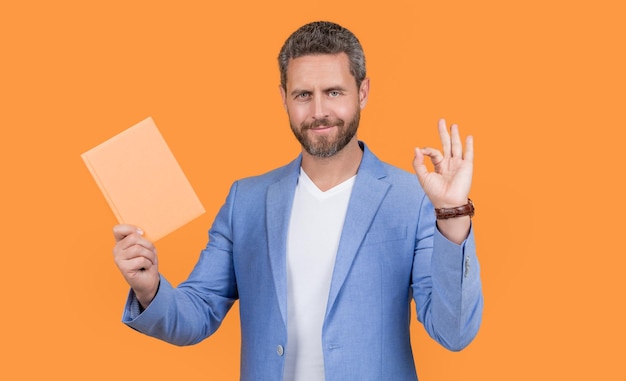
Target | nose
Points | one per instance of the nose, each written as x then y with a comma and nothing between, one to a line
319,111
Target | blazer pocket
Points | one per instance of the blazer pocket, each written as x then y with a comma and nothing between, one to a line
385,235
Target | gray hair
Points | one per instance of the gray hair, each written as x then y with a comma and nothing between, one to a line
322,37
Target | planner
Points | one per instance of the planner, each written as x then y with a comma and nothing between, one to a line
142,181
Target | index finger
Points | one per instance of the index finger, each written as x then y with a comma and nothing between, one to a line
121,231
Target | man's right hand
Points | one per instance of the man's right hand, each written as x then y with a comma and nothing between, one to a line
136,257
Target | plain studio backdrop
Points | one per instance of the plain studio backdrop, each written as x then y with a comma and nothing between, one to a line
540,85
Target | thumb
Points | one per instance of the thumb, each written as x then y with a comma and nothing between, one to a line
121,231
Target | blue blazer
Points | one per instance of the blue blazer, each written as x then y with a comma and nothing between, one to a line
390,252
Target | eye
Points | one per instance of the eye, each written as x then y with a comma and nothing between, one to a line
334,93
303,96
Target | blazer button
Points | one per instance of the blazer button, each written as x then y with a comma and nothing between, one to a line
280,350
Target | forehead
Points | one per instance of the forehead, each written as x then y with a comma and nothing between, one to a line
319,70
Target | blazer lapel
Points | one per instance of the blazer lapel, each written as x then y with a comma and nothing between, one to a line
367,194
278,206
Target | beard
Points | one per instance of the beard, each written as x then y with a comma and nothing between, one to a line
327,146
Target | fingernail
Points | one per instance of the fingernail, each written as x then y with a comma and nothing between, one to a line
139,231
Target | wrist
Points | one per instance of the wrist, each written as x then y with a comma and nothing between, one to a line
145,297
455,229
144,301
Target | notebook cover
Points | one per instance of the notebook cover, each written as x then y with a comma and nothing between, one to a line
142,181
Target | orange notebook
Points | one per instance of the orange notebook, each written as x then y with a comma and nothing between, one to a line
142,181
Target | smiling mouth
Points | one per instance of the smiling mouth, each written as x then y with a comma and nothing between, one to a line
321,128
322,124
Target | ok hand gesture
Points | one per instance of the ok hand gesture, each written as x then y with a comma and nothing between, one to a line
449,184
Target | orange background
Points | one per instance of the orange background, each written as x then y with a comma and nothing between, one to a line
539,84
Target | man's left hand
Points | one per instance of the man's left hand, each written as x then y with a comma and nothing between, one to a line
449,184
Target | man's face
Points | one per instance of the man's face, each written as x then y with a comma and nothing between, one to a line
323,102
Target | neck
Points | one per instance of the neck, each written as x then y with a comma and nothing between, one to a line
328,172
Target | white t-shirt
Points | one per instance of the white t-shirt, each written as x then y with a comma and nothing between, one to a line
314,231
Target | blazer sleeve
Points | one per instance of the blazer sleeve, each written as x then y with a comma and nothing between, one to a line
446,284
192,311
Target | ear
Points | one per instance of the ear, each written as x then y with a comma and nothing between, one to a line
283,96
364,92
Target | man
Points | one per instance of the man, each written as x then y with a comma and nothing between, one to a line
325,253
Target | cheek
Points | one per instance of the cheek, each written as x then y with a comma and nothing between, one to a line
346,111
297,114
